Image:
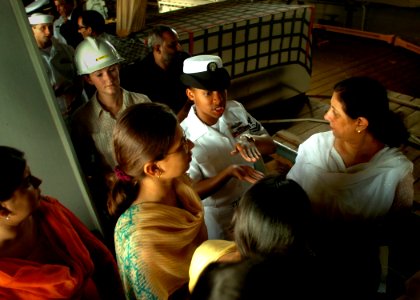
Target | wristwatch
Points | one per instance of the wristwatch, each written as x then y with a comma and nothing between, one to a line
248,137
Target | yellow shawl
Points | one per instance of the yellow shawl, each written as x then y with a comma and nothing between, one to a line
166,238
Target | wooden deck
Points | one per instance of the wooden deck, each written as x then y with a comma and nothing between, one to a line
336,57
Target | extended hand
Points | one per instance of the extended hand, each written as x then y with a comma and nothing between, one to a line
246,173
247,148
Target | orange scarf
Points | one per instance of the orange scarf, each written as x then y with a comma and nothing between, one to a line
24,279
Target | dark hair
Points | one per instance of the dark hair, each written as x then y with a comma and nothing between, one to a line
274,277
72,2
272,217
368,98
13,166
94,20
155,36
144,132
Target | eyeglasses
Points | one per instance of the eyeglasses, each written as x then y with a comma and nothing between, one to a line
184,145
82,27
30,180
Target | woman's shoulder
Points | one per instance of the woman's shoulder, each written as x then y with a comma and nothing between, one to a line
85,114
48,202
209,251
134,98
129,219
319,140
393,156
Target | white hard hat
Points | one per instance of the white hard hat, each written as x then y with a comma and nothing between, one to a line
94,54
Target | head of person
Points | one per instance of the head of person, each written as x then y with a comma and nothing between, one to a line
91,23
280,209
19,190
40,6
360,105
145,151
64,7
207,81
164,43
42,28
99,62
273,277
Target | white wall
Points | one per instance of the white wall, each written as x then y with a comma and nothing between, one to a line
30,119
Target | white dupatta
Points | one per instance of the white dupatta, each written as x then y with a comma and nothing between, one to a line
366,190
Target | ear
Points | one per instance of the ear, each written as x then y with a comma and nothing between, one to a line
190,94
87,79
4,212
152,169
156,48
361,123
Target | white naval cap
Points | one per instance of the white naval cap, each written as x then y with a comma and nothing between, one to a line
202,63
205,72
37,5
39,18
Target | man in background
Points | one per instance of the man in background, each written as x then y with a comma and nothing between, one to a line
158,74
65,26
91,23
58,59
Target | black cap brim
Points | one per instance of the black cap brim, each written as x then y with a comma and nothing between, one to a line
210,81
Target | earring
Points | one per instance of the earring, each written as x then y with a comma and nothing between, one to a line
7,217
159,172
358,131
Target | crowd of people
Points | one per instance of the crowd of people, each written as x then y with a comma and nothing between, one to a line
174,169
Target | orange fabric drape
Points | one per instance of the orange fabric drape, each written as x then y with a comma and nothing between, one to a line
31,280
88,271
131,16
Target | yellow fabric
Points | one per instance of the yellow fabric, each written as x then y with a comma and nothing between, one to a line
208,252
169,238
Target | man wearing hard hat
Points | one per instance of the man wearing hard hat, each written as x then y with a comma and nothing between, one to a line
58,59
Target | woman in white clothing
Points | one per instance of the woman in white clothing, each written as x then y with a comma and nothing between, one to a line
359,183
355,171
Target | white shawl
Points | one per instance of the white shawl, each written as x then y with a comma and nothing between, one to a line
365,190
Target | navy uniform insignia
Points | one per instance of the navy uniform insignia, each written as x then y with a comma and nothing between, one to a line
238,128
212,67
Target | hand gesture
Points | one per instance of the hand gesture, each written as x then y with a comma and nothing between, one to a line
247,148
246,173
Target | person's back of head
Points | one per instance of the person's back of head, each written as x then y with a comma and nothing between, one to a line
273,277
136,142
94,20
272,217
366,97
